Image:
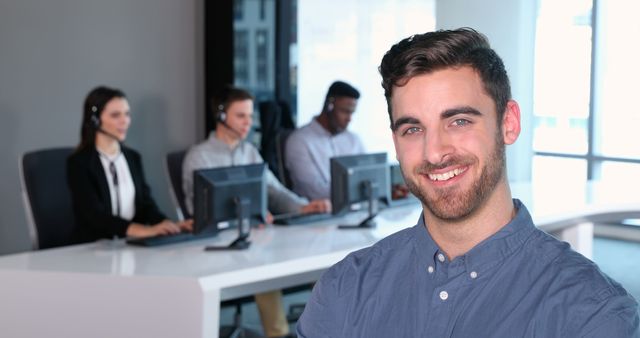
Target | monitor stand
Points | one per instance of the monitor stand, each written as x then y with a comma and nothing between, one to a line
244,227
371,190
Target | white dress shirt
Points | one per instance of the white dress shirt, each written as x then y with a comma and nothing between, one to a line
307,154
124,194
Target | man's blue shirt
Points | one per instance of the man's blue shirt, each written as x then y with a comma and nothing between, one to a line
520,282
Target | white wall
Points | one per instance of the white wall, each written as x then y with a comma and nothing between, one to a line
53,52
510,27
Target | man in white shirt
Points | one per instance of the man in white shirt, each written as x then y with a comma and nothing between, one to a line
309,149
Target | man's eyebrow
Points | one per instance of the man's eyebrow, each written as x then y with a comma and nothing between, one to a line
460,111
404,120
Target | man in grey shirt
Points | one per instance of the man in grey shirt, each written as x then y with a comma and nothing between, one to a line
226,146
309,149
474,265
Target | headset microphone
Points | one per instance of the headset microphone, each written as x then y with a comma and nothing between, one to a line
95,123
239,134
222,118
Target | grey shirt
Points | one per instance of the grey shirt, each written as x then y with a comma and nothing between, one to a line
214,153
520,282
307,154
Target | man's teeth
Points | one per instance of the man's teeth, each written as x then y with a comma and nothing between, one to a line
447,175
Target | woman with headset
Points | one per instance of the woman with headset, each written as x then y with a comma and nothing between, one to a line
109,192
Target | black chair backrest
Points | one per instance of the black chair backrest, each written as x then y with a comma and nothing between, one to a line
174,170
276,123
270,125
47,197
281,143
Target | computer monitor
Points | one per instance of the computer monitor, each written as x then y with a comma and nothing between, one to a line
357,179
230,195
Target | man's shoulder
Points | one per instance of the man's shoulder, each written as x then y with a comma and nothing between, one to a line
574,272
199,148
301,133
592,302
590,297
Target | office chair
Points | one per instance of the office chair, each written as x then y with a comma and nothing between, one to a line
173,168
281,143
270,124
275,119
46,197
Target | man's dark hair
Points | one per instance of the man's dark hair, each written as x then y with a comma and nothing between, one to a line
228,94
429,52
339,88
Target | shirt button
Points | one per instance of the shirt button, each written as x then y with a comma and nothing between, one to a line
430,269
473,275
441,258
444,295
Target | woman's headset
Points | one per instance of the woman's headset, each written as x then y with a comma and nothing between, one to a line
95,117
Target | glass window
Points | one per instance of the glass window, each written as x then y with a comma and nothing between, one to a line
238,9
254,57
562,77
241,57
262,58
617,71
623,173
347,42
558,171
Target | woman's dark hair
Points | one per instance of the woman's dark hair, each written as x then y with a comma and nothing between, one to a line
425,53
94,104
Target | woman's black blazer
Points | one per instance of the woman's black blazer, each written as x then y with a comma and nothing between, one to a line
92,202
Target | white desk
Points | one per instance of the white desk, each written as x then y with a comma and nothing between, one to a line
108,289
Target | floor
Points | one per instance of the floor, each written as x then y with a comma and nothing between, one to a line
618,259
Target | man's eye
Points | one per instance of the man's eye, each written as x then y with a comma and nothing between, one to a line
461,122
411,130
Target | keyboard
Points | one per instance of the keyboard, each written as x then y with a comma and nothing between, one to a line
300,219
170,239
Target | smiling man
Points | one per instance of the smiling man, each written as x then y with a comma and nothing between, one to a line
474,265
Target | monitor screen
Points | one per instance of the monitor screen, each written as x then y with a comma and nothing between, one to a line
231,196
359,178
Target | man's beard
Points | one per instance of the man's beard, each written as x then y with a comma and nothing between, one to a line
334,125
453,203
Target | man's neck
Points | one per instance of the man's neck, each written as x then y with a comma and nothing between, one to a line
457,238
323,120
227,136
107,145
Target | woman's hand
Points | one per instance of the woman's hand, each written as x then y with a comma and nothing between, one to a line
165,227
186,225
317,206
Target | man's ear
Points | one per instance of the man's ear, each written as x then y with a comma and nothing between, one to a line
511,122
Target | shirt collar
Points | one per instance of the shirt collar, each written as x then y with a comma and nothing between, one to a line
318,128
108,157
487,253
215,141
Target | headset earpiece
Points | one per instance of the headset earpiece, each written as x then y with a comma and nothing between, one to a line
330,105
95,119
222,115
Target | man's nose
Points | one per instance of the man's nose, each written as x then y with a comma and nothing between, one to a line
437,146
